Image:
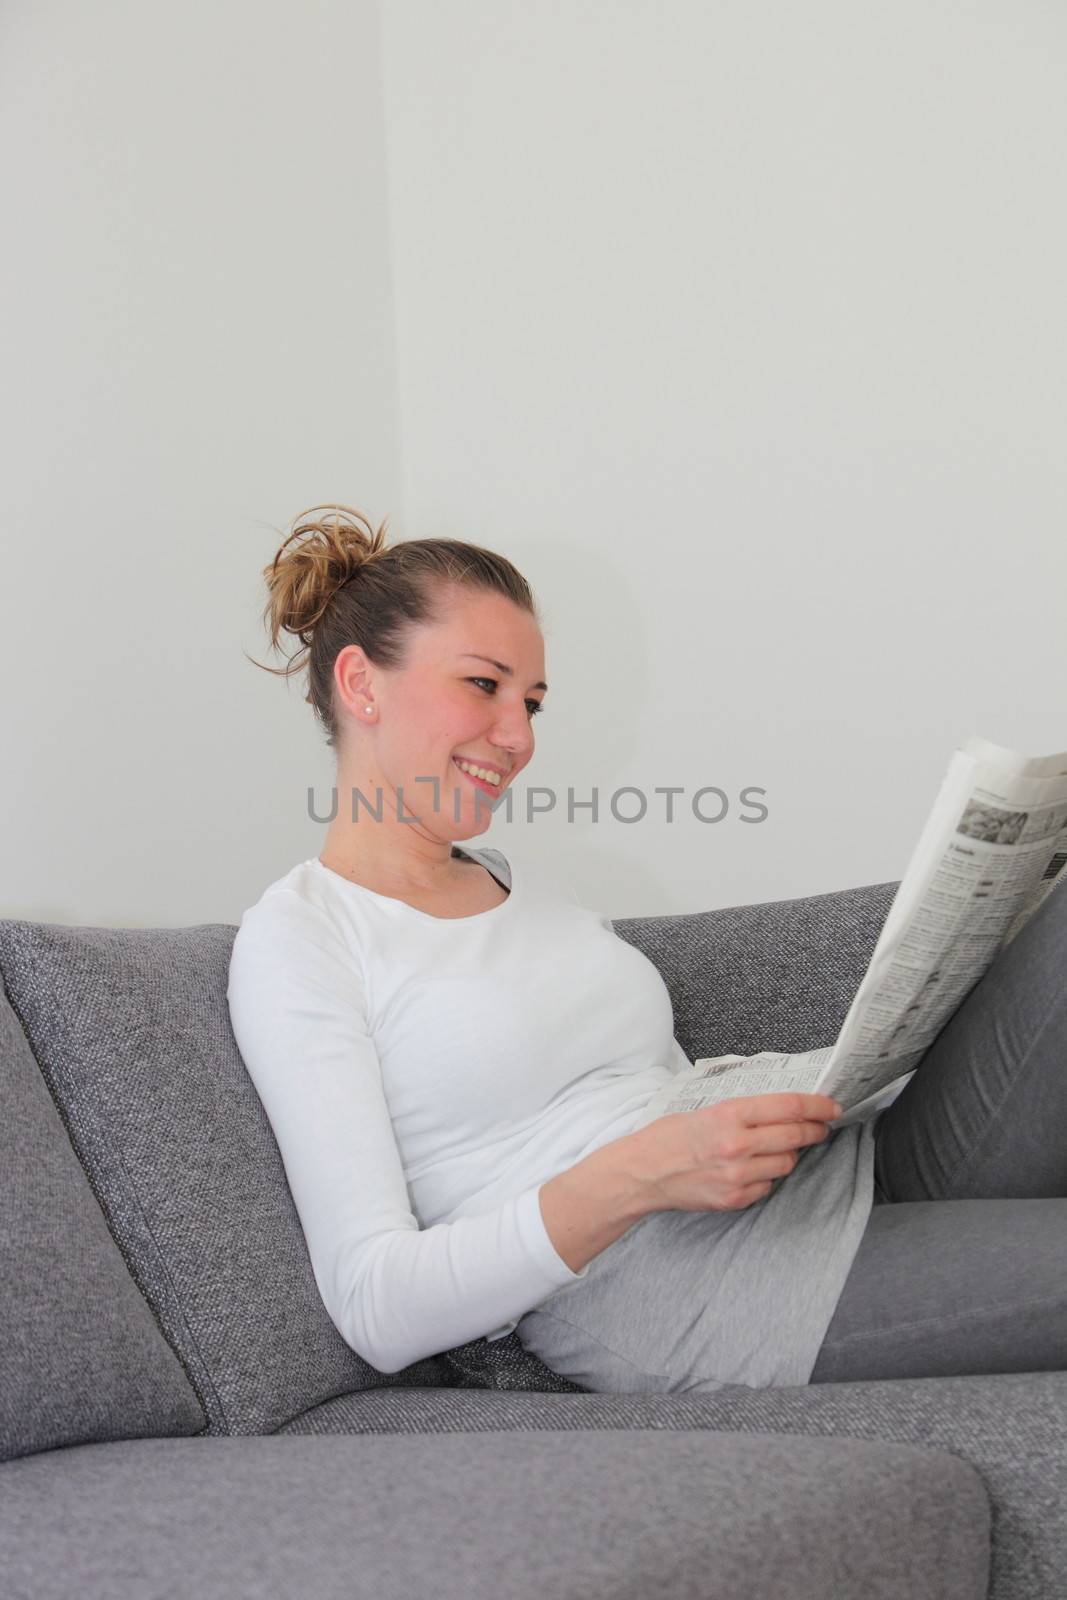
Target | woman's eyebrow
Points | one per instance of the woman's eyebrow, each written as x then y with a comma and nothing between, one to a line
509,672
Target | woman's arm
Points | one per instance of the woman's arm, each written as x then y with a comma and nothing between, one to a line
395,1292
590,1205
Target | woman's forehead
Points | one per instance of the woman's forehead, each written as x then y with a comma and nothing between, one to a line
490,625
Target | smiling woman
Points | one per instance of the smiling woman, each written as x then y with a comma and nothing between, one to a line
451,1053
457,1060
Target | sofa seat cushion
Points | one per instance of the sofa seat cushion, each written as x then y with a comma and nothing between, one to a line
81,1355
498,1517
1012,1427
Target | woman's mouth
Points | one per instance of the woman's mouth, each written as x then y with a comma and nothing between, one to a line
480,783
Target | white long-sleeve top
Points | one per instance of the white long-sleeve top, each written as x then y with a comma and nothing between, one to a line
424,1076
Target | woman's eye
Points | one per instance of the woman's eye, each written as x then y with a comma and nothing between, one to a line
532,706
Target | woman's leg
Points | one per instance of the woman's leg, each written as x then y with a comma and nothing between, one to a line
966,1271
985,1116
946,1287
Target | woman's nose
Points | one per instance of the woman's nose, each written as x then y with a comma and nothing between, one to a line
513,729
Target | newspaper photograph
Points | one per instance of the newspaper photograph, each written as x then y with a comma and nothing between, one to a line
994,845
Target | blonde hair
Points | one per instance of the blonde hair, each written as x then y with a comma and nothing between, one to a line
334,582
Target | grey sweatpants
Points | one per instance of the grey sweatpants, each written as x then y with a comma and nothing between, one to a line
963,1265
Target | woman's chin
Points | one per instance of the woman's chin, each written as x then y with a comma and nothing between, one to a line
477,805
470,826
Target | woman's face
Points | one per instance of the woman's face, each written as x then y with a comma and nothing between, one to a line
469,691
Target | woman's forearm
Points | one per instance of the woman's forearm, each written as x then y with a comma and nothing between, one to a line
590,1205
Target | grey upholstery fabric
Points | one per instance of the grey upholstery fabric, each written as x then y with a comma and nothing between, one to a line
1012,1427
132,1032
81,1356
779,975
683,1517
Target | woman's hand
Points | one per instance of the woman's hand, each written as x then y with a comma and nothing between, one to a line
724,1157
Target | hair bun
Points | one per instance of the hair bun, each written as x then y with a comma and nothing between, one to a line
326,547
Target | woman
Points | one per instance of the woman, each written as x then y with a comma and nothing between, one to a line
453,1057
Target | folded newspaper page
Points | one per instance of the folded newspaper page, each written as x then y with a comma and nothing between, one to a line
994,845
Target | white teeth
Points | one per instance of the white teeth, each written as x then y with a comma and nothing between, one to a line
479,772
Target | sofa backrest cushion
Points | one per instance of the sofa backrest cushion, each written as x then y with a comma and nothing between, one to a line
775,975
83,1360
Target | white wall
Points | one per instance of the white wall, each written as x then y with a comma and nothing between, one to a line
198,345
739,327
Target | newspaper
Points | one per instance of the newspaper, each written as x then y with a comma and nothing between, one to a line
994,845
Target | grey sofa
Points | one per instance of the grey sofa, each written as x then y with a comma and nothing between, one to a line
179,1416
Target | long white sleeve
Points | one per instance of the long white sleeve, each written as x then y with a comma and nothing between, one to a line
396,1292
